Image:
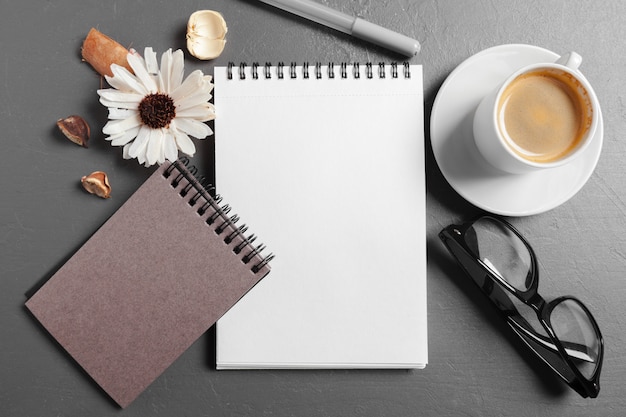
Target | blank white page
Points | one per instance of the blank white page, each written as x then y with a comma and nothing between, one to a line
330,174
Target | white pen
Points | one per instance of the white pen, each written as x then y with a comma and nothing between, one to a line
354,26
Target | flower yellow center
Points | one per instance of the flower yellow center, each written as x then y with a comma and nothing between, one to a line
157,110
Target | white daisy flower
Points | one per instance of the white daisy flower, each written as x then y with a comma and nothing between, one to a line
153,113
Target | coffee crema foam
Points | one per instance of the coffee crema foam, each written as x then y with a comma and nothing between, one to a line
544,114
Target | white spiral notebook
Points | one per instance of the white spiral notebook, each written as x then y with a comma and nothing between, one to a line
327,162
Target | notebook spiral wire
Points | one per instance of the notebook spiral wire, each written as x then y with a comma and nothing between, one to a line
219,218
268,71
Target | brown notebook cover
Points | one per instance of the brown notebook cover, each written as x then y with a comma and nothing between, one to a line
148,283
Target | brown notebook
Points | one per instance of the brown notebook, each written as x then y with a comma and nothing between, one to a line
149,282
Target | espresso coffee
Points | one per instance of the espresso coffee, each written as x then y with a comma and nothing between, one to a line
544,115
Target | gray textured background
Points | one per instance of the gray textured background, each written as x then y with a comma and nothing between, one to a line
476,368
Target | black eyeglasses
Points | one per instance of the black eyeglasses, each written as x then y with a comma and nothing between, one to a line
501,262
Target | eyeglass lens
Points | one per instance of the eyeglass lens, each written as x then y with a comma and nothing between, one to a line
573,327
505,255
502,251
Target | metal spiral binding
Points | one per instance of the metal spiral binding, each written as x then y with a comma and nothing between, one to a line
318,70
407,70
381,70
268,70
370,73
279,70
255,70
394,70
219,217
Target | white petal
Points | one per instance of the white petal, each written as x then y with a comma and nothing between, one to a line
169,147
116,82
125,154
166,68
161,158
119,105
139,61
151,61
138,66
154,146
195,99
117,113
138,146
122,139
162,152
201,94
113,127
184,143
119,99
141,158
164,73
200,113
172,70
123,80
112,95
191,84
193,127
177,72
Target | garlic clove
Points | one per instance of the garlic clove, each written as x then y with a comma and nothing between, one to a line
97,183
207,23
212,29
206,33
75,128
206,48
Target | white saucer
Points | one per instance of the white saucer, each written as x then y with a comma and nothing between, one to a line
464,167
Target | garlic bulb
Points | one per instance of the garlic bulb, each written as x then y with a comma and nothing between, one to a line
206,33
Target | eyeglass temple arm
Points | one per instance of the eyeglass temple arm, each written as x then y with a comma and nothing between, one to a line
502,301
547,355
499,297
515,319
574,350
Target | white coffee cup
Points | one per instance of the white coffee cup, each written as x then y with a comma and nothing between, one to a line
542,116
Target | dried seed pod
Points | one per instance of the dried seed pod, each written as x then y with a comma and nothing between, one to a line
206,33
101,51
75,128
97,183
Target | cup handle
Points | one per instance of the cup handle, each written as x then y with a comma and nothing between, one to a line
571,60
